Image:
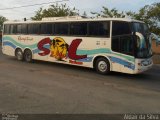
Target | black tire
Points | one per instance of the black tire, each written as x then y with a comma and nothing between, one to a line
28,55
102,66
19,54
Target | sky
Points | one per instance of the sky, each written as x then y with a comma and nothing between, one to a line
80,5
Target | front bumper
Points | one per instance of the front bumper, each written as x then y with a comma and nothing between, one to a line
142,65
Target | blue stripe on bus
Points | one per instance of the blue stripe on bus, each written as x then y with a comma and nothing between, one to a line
122,62
88,59
9,44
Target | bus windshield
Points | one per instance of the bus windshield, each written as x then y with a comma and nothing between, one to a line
143,43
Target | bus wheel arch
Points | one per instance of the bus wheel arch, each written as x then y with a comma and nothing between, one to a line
19,54
102,65
28,55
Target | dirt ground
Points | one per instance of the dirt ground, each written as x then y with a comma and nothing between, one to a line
50,88
156,52
156,49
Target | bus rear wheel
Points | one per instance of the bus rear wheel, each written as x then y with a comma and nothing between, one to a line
19,54
28,55
102,66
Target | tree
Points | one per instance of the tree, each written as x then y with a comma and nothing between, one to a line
107,13
150,14
2,20
55,11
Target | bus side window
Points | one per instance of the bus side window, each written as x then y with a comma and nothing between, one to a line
78,28
127,45
61,28
120,28
24,29
116,44
100,29
43,28
47,28
19,29
30,28
122,40
33,28
6,29
13,29
36,29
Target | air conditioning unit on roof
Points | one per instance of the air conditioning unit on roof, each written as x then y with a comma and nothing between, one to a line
62,18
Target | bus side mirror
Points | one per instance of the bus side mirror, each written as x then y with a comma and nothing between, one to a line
133,33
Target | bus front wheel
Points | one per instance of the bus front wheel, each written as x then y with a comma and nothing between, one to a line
28,55
19,54
102,66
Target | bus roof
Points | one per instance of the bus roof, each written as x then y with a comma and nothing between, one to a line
72,19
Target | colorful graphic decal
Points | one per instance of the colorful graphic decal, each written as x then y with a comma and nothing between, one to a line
73,49
60,50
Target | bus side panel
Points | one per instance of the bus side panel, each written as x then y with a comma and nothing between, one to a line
122,63
79,51
68,50
8,48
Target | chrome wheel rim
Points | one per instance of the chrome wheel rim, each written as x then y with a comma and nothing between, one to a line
102,66
19,55
28,56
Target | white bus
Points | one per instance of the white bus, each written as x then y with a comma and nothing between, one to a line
106,44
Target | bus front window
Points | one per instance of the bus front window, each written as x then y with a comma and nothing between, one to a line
143,43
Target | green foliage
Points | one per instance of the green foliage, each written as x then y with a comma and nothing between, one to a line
150,14
107,13
2,20
55,11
